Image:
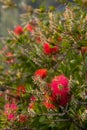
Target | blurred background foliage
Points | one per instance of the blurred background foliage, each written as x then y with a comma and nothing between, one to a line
10,17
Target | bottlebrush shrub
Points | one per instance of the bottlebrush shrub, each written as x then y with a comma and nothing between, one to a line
45,80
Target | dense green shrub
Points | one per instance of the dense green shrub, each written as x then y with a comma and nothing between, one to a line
44,71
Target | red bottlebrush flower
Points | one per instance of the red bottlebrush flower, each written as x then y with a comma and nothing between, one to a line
21,90
49,98
22,118
59,39
60,89
47,49
30,28
10,110
84,50
13,107
33,98
49,105
61,80
42,73
64,100
7,106
11,117
54,49
18,30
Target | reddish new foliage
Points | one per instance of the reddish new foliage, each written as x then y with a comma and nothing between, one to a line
10,58
33,98
18,30
84,50
42,73
59,39
10,61
54,49
38,40
22,118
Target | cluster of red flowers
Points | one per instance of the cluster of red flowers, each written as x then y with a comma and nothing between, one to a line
60,89
49,50
59,86
60,93
18,30
10,111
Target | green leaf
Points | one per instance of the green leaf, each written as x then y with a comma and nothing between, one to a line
42,118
